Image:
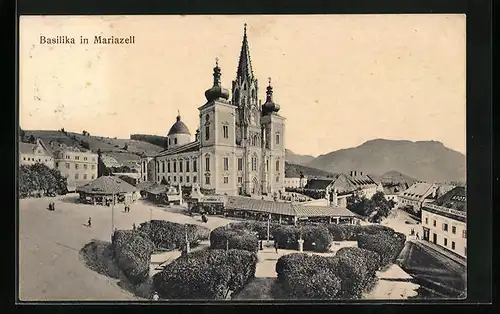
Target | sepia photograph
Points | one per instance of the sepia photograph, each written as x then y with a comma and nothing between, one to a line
166,158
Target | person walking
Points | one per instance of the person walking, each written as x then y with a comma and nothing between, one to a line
418,237
53,206
276,246
89,222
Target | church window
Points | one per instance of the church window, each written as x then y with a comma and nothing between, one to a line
240,164
175,166
180,165
226,164
175,179
277,179
187,179
76,166
162,166
254,163
194,179
226,180
244,86
277,138
240,179
77,158
168,166
267,165
187,165
85,167
225,130
158,179
195,166
67,165
84,176
253,93
84,158
175,141
277,165
207,163
168,179
180,179
207,133
207,180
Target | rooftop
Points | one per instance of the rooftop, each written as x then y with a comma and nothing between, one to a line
106,185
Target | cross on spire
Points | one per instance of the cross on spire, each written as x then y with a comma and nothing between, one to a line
216,61
245,29
269,81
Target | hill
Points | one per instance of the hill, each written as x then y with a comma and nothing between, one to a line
294,170
123,150
296,158
396,177
426,160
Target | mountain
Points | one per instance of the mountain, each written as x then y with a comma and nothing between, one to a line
294,171
423,160
296,158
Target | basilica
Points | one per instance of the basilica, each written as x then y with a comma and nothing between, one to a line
239,146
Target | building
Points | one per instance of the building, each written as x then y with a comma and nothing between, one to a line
341,186
39,152
239,148
294,179
392,191
444,221
416,195
78,166
106,190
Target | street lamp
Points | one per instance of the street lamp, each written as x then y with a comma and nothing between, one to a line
112,214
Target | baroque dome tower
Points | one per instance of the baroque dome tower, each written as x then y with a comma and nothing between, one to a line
216,92
178,134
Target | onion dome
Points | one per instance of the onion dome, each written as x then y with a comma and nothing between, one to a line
179,127
269,107
216,91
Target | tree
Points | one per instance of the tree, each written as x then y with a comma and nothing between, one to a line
84,132
359,204
125,147
32,139
102,170
381,206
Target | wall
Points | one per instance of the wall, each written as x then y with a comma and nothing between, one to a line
292,182
428,219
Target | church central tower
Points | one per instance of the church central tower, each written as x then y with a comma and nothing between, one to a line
244,95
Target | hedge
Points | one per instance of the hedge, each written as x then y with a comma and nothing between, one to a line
227,236
308,276
346,275
209,274
387,245
132,253
356,269
344,232
171,235
316,238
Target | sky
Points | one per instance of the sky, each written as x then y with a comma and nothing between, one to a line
340,80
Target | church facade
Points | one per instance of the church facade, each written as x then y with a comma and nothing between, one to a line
239,147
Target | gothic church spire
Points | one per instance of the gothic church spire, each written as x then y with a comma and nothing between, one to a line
244,64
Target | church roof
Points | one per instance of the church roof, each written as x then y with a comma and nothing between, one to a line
190,147
179,127
244,63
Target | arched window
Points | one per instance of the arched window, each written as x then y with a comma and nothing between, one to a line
253,94
207,162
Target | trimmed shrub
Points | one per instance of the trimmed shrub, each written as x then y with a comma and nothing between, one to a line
316,237
387,245
132,253
228,237
170,235
207,274
356,269
305,276
344,232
